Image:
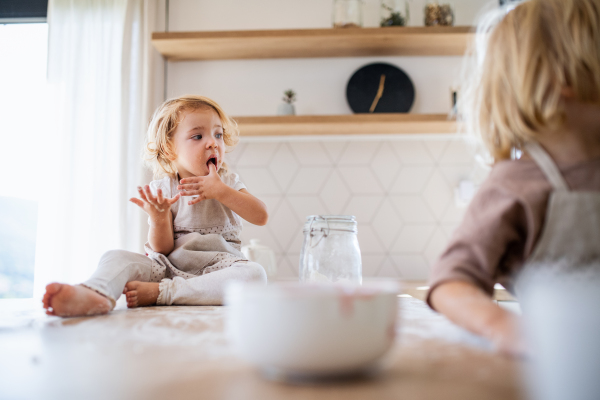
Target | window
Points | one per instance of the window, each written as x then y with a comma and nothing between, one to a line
23,162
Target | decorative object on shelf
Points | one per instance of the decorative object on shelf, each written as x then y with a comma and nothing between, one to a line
261,254
347,13
287,107
380,88
439,14
394,13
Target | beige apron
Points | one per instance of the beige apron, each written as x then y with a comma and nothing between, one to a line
558,292
206,239
570,239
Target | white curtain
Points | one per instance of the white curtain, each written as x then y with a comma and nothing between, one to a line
99,69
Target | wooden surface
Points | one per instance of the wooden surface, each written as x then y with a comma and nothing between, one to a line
306,43
345,124
418,290
183,353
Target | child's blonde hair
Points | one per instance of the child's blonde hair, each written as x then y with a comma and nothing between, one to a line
159,153
523,60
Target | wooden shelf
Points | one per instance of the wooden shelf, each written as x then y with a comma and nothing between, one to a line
307,43
353,124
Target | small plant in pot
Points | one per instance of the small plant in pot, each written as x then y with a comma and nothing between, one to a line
394,17
287,107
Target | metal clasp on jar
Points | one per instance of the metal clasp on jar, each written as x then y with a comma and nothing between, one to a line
325,231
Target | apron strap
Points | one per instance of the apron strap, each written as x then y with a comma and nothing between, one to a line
547,165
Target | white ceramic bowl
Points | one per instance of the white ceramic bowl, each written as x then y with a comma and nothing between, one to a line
312,330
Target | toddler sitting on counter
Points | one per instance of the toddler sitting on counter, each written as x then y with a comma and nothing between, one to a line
536,91
193,246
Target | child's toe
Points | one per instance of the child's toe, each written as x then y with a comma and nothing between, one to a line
53,288
131,286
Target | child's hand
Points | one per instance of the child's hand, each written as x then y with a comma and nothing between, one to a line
205,187
506,335
157,207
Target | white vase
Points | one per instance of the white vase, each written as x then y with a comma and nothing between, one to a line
286,109
261,254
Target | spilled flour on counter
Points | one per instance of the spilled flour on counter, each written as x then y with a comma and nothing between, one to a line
418,322
199,330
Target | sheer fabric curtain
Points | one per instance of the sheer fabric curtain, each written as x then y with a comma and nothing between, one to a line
99,69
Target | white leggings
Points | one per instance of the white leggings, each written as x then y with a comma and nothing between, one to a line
117,267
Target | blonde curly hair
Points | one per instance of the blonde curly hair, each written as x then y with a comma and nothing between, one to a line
159,153
522,61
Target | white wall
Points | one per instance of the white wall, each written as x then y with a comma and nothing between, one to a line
400,188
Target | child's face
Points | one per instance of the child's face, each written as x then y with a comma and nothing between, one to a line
198,140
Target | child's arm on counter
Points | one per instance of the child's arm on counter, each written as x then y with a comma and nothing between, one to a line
470,307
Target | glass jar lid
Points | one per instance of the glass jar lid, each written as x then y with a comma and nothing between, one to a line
326,223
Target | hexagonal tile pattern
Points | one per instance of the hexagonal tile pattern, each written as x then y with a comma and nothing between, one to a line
233,156
257,154
412,152
387,223
272,202
453,174
435,247
453,214
437,194
294,263
285,269
385,165
413,238
310,154
334,149
411,179
411,267
412,209
371,263
368,241
363,207
334,194
457,152
359,153
261,233
388,269
284,166
306,205
309,180
436,147
361,180
400,190
449,229
259,181
284,225
295,245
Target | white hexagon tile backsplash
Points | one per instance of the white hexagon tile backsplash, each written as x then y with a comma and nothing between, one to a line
401,191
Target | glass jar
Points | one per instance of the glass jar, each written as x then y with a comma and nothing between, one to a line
347,13
330,251
439,14
394,13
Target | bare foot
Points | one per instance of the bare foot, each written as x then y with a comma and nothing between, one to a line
70,301
141,294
